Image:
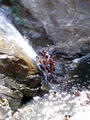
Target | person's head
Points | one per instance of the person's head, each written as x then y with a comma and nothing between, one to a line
37,56
65,116
54,92
69,116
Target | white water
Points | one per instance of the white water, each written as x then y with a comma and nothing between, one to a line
55,108
14,39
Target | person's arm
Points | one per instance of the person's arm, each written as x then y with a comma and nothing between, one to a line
41,52
48,48
53,56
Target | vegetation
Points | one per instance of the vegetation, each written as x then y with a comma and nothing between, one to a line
14,9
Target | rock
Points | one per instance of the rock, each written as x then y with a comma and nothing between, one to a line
5,110
15,77
84,59
80,47
13,97
65,21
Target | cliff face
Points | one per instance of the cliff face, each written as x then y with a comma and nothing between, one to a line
66,21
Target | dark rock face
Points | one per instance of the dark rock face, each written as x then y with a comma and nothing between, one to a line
66,21
32,28
15,82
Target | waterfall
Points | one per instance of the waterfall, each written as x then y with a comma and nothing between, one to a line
14,44
13,40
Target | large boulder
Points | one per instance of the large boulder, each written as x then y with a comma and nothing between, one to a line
66,21
16,81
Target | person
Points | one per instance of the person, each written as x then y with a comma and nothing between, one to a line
66,117
51,68
88,100
77,93
88,95
46,61
42,65
54,94
45,52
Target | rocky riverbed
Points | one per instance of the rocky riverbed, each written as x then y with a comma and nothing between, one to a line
62,24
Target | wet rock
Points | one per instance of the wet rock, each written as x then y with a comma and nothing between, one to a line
13,97
16,77
65,21
27,24
80,47
16,81
30,92
84,59
5,110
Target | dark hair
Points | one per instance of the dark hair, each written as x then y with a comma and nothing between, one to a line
51,55
54,92
69,116
46,56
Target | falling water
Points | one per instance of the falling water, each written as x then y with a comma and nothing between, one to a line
14,41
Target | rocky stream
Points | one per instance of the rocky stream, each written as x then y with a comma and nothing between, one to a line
26,91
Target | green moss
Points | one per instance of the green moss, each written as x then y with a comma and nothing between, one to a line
12,1
14,9
87,0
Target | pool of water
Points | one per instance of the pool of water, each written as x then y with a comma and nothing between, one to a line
58,103
53,106
81,75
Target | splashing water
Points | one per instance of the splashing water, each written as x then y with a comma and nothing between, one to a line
54,108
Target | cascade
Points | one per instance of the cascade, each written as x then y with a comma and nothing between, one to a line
13,43
17,40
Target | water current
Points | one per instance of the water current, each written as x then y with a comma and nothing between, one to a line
55,106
